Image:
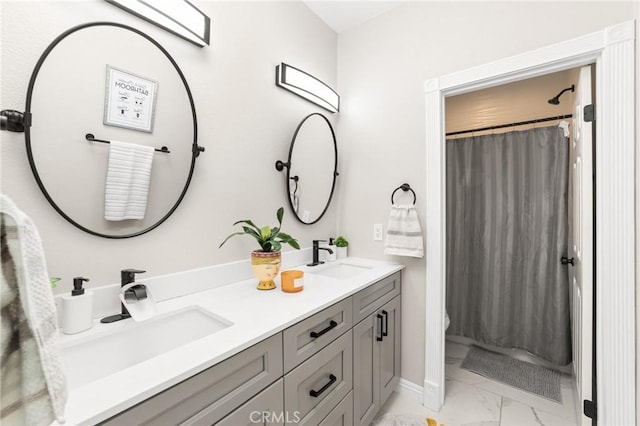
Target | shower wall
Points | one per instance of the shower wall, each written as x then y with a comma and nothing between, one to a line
509,103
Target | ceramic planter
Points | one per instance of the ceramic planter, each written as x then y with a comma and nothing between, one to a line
265,266
341,252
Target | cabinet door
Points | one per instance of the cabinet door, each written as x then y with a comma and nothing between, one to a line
390,349
366,368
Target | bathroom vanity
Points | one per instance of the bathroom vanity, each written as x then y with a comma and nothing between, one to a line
327,355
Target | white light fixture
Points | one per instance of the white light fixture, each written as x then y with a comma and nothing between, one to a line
177,16
307,86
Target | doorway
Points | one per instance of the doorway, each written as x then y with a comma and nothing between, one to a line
515,251
612,50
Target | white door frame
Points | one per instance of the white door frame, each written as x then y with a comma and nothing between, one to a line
612,50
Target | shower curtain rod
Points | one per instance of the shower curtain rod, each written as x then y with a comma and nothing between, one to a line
519,123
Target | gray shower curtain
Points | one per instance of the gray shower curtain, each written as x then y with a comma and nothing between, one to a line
506,231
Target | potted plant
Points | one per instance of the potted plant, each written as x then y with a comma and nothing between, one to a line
341,247
265,262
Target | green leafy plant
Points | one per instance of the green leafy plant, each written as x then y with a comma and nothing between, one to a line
270,239
54,281
341,242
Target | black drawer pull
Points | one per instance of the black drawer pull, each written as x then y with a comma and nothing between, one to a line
385,330
316,334
316,393
379,338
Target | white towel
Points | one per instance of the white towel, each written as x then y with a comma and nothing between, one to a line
404,235
128,178
34,387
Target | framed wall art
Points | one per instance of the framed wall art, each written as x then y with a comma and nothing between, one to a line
130,100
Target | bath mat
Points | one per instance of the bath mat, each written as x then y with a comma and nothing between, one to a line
520,374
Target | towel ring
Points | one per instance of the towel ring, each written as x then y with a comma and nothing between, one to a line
405,187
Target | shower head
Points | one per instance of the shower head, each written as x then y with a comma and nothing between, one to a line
556,99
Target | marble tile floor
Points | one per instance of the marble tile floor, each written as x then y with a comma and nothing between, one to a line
472,399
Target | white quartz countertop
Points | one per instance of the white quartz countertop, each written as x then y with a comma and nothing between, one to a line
255,315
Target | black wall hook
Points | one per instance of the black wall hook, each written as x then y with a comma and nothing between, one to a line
405,187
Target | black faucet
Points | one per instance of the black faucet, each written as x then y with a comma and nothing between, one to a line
127,276
316,251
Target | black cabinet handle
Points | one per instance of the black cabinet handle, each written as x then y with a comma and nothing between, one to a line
379,338
316,334
567,260
316,393
385,330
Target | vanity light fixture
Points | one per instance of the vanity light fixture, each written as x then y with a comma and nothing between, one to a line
307,86
179,17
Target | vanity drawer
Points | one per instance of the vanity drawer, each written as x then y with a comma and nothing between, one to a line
366,301
307,337
213,393
342,415
315,387
263,409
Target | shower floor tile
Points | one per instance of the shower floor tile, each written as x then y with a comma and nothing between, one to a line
472,399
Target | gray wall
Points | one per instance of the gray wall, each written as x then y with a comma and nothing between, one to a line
382,67
245,122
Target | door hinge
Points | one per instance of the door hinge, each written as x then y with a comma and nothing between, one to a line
589,113
590,409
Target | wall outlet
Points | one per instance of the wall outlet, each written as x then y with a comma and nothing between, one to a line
377,232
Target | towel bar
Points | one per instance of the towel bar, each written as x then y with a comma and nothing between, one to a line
405,187
91,138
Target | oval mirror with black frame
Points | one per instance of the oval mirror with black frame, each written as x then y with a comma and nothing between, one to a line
312,168
66,104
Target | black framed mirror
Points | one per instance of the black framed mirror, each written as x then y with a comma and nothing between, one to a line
312,168
66,117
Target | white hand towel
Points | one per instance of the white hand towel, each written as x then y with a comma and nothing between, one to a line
404,235
128,178
34,387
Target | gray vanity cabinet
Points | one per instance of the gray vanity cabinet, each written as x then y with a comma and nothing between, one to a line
376,347
322,370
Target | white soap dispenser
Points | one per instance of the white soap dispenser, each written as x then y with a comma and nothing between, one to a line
77,308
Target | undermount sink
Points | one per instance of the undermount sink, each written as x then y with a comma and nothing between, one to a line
342,270
131,343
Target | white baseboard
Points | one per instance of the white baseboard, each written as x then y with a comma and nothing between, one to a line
410,390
